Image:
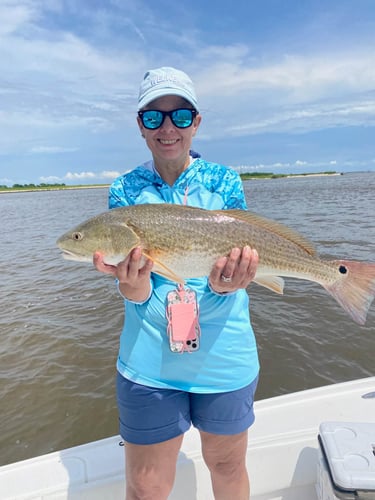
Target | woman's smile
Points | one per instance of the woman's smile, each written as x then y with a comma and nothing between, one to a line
168,142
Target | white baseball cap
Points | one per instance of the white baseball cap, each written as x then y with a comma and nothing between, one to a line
166,81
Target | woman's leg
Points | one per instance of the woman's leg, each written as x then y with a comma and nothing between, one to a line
225,457
223,420
152,424
150,469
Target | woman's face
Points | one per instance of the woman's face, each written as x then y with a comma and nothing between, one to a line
169,143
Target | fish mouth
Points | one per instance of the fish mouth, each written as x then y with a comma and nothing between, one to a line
68,255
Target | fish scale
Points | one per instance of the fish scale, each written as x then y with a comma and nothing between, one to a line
184,242
211,237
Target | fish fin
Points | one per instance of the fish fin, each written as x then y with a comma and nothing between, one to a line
273,283
163,270
271,225
354,290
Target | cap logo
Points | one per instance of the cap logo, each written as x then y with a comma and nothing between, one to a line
163,78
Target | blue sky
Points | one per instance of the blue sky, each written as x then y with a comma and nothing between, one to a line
284,85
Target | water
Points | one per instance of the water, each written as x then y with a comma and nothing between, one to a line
60,321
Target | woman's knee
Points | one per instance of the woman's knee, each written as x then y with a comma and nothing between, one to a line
148,485
151,469
225,455
230,470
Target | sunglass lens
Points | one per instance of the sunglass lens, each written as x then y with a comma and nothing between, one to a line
152,119
182,118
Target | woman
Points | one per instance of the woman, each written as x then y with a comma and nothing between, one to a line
160,390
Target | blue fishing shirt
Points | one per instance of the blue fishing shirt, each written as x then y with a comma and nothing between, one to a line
227,359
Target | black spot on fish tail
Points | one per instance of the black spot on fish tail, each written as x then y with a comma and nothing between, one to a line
354,289
343,269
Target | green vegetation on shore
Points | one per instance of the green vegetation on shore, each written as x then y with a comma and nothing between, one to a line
33,186
46,187
270,175
50,187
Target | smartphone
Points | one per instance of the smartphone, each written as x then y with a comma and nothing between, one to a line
183,325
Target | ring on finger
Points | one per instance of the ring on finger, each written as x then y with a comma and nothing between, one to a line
226,279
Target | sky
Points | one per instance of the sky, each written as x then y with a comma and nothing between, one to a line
284,86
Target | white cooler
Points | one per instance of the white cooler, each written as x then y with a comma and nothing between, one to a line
346,466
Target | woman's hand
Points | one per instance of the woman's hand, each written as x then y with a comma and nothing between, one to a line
234,272
133,275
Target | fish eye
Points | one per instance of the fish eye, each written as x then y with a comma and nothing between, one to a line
77,236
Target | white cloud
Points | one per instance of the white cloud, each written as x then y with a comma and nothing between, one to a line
300,166
261,166
80,175
109,174
245,96
15,14
50,179
306,77
280,165
53,78
72,78
71,177
61,78
297,118
5,181
51,150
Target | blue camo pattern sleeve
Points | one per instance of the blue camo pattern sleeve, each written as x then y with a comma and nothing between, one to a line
224,181
212,177
126,188
232,190
116,196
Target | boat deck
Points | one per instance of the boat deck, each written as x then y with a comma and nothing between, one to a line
283,454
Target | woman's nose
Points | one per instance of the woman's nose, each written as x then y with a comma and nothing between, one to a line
167,123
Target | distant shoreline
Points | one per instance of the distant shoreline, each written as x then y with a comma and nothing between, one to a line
268,175
51,188
244,177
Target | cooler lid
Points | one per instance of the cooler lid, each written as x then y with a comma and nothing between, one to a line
350,451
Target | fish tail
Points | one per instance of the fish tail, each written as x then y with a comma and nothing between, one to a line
354,290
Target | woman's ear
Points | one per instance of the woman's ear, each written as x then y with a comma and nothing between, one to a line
196,123
140,126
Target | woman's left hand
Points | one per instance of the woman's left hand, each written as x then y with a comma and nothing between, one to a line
234,272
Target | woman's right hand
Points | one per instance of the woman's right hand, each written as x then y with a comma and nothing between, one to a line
133,275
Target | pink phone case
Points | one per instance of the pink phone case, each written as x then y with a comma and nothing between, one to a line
183,326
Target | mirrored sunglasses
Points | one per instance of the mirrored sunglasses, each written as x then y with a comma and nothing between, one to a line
181,117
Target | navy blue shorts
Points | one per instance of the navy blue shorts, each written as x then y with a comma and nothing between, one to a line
149,415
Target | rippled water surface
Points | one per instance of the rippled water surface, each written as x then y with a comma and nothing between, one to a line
60,321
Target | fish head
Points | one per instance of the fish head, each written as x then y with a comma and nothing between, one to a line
113,239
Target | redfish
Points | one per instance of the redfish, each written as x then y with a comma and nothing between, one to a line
184,242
